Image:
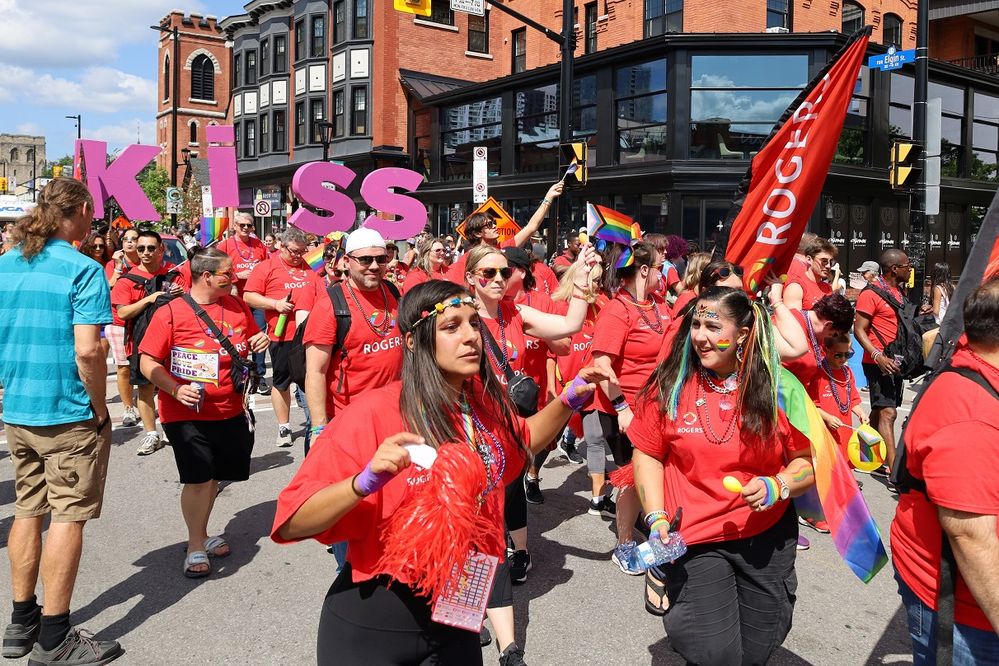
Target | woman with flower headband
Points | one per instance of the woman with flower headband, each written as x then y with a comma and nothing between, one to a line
409,525
709,411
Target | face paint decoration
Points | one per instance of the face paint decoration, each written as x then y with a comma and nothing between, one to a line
483,282
723,345
704,312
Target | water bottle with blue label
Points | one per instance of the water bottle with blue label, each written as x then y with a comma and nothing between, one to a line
655,551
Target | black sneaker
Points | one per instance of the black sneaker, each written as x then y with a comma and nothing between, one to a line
18,639
532,489
882,472
520,564
567,445
512,656
485,638
604,507
263,388
79,649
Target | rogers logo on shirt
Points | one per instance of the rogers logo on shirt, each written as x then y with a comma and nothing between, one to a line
689,419
532,344
418,477
382,345
294,285
581,346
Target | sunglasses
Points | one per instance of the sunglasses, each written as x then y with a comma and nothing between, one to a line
367,259
98,246
843,355
228,273
297,253
724,272
337,273
490,273
245,226
437,251
146,248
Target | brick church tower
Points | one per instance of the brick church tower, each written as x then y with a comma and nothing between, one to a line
203,86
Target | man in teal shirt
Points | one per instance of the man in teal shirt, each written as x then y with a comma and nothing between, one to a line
53,302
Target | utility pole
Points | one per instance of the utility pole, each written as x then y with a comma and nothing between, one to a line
917,251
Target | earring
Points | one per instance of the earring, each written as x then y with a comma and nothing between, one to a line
739,354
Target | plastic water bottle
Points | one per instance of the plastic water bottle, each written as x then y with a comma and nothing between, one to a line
655,552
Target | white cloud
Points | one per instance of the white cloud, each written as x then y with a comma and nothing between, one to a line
124,133
33,129
100,89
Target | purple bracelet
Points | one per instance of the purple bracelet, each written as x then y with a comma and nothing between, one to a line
573,400
371,482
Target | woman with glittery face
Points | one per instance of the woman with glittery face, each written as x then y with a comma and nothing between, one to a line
710,411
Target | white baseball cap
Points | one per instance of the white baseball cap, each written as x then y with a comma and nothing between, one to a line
362,238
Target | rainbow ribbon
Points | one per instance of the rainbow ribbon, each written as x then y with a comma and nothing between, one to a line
836,497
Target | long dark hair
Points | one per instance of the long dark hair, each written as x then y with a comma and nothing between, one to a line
757,371
940,277
644,255
87,247
429,404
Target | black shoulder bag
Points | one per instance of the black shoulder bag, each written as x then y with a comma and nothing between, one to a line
242,372
523,390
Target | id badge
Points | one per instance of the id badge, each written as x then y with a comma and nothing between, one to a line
463,605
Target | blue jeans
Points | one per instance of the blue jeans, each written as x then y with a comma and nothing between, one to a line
972,647
258,357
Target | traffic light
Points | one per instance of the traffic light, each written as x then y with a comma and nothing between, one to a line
3,186
904,169
569,154
419,7
57,171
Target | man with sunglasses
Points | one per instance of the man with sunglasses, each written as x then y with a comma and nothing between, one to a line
803,290
246,251
128,301
283,287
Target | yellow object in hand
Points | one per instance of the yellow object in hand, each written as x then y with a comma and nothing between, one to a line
732,484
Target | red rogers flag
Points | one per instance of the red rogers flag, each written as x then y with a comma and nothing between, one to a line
775,199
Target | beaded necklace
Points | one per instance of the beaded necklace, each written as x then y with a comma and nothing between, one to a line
491,452
383,329
658,327
249,253
813,341
730,386
844,406
502,345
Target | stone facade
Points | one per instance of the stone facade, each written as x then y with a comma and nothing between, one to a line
19,153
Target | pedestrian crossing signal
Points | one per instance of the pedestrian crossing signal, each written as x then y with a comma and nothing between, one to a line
418,7
569,154
904,169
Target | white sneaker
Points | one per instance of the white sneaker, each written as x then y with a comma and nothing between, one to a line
151,443
130,419
284,437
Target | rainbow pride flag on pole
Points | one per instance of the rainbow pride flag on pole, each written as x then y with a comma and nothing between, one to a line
314,258
839,501
608,224
212,229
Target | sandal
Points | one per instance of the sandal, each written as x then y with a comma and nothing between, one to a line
216,546
196,559
656,599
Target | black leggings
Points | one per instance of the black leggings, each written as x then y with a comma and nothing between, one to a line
374,625
516,504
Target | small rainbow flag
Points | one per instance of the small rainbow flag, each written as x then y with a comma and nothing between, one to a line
608,224
626,259
314,258
212,229
840,502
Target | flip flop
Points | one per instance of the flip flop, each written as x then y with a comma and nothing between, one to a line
194,559
656,600
216,543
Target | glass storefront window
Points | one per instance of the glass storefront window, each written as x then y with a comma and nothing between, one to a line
985,138
466,126
853,140
641,112
536,111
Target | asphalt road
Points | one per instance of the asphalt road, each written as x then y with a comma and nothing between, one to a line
261,605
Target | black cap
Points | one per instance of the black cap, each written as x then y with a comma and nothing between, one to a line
517,257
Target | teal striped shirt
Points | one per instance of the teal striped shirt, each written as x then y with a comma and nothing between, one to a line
40,303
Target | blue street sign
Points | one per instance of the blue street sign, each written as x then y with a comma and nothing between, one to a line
892,60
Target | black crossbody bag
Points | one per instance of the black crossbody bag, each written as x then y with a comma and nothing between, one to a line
523,390
242,372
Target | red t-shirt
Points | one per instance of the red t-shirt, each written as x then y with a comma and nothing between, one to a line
185,279
811,291
882,316
805,367
275,279
536,351
633,345
796,271
456,272
693,466
820,388
245,256
513,333
681,302
418,276
346,446
579,356
187,349
671,277
371,360
563,261
545,277
127,292
952,442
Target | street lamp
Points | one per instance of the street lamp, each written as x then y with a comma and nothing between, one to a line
79,125
325,128
175,96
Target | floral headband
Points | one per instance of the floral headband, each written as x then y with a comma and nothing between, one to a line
440,307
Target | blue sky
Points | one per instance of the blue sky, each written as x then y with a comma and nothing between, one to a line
98,59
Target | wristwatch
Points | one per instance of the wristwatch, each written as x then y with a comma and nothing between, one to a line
785,492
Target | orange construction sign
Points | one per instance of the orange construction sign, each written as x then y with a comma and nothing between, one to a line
505,225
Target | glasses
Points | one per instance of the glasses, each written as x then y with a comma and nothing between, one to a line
226,273
98,246
337,273
367,259
129,239
490,273
439,250
846,356
142,249
297,253
245,226
823,262
724,272
902,266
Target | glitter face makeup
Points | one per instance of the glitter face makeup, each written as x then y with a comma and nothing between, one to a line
703,311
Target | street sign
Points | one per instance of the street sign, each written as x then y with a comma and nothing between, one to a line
480,174
892,60
262,208
505,226
207,210
477,7
174,201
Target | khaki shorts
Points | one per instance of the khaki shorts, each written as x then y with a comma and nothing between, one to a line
60,469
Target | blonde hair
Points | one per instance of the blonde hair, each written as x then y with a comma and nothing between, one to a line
695,264
567,282
56,202
423,248
477,254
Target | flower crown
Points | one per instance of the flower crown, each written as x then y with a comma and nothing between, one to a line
440,307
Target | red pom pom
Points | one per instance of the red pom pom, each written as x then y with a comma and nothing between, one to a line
623,477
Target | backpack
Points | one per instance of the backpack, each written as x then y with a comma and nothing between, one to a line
296,352
908,342
136,327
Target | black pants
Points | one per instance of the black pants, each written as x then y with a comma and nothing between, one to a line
370,624
731,602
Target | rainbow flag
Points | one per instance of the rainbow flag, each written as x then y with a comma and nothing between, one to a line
838,500
626,259
212,229
314,258
608,224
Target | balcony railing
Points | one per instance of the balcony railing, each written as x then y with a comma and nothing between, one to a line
983,63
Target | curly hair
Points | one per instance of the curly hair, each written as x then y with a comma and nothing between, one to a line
57,201
835,309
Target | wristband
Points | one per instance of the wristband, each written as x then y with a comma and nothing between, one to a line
368,482
655,516
654,527
316,430
876,355
622,407
546,201
574,400
173,391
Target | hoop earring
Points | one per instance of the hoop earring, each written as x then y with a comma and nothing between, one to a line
739,353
